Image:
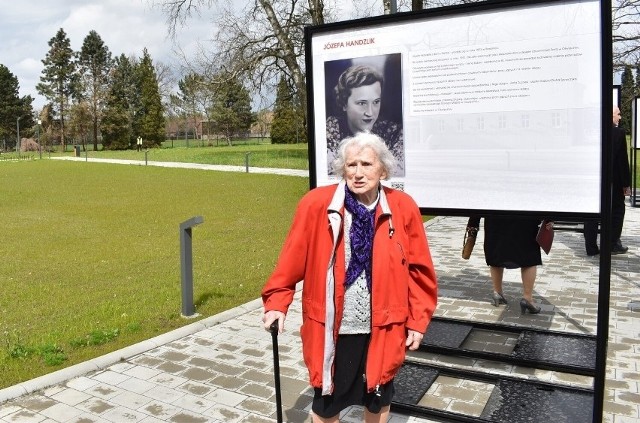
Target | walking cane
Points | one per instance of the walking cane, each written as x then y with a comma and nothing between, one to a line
276,369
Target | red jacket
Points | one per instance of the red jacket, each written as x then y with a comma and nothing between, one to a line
403,293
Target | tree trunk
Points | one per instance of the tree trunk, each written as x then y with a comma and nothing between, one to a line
62,140
95,131
316,10
289,55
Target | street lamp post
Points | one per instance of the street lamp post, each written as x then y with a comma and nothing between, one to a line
38,132
18,134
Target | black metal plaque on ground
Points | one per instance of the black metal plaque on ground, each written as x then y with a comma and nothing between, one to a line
537,348
516,402
446,334
556,348
512,400
412,382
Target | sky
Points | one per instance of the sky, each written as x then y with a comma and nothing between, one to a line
125,26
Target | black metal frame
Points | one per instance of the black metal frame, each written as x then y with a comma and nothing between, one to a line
633,198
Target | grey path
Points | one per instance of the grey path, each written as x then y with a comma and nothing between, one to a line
219,369
220,168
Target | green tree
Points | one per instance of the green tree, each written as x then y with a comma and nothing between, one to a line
190,99
262,122
12,107
59,79
47,125
94,64
231,113
80,122
287,126
627,93
149,120
117,121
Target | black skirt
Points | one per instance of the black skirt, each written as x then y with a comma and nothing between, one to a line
350,387
511,242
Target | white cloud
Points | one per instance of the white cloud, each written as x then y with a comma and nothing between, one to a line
125,26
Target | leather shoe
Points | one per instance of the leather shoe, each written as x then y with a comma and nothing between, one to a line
592,253
619,249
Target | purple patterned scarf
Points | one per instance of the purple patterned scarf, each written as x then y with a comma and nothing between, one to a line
361,237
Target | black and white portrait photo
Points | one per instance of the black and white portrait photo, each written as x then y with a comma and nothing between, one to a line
365,94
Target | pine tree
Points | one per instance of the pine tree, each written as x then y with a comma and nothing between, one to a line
12,107
231,112
627,91
117,122
95,62
190,98
59,80
149,120
287,126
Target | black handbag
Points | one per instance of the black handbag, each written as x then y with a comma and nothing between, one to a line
469,241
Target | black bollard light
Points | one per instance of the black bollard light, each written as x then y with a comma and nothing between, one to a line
186,265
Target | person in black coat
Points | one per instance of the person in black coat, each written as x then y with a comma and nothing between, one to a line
621,187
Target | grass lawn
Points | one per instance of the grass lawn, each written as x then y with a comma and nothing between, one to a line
91,253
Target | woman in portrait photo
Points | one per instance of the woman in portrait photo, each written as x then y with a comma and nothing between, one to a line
359,99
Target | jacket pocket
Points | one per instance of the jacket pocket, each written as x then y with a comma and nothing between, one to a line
390,316
312,336
312,310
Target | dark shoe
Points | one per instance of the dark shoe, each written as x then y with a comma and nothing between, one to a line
619,249
592,253
498,299
527,306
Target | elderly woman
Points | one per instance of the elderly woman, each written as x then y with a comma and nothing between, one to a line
369,284
359,96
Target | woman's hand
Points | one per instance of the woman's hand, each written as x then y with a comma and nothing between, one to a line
413,339
271,316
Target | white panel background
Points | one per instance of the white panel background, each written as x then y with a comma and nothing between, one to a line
512,113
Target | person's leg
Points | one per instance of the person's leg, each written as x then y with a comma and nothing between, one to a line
496,278
528,280
380,417
318,419
590,232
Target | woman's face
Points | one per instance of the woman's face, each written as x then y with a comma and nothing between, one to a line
363,172
363,107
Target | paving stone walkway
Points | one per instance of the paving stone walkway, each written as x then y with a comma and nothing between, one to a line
220,369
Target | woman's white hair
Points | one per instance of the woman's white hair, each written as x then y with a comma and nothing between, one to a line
361,141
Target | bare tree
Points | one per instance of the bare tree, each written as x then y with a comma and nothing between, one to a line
166,81
257,43
625,16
